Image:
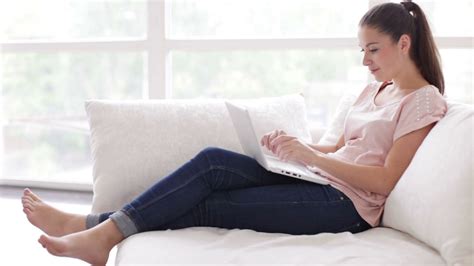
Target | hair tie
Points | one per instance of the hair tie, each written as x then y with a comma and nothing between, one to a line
408,5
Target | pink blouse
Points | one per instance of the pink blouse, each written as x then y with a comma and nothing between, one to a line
370,131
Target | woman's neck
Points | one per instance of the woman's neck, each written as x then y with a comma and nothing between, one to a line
409,78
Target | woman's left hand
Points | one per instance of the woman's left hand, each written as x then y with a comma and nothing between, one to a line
289,148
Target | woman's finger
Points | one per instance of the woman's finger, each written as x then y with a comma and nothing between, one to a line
271,138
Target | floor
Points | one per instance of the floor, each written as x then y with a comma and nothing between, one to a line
18,242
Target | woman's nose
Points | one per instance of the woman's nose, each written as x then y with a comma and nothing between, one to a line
365,60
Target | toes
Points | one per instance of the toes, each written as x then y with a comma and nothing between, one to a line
44,241
26,200
30,193
41,242
29,206
52,244
27,211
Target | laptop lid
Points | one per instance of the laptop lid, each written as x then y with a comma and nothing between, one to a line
249,141
245,132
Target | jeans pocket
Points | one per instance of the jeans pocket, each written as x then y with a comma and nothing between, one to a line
334,195
357,227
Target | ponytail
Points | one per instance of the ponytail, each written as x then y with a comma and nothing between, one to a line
408,18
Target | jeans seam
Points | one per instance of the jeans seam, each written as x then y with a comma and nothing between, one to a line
354,225
357,224
174,190
211,168
283,202
235,171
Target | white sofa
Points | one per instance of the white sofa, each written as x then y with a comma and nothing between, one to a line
428,217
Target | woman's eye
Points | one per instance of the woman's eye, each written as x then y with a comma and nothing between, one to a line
370,50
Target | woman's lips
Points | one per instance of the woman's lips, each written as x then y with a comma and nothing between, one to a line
374,70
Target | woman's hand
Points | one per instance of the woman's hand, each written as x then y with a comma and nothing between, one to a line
269,137
289,148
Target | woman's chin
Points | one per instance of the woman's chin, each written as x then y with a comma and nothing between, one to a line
379,78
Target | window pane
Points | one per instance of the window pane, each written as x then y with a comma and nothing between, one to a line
457,69
71,19
44,129
45,85
265,18
41,152
322,75
449,18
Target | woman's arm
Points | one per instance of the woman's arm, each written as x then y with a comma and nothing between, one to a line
329,148
377,179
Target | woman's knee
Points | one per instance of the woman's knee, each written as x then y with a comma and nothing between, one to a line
212,152
215,156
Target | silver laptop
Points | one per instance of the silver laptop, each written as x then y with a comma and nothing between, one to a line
251,145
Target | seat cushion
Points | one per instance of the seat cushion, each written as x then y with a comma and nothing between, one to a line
203,245
136,143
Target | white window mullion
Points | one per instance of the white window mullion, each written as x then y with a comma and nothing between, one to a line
158,55
2,121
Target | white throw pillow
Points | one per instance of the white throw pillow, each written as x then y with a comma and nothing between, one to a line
433,199
135,143
336,127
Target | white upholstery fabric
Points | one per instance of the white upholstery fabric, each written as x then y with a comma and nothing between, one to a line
135,143
336,128
429,211
211,246
433,199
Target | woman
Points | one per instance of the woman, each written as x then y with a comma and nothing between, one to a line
219,188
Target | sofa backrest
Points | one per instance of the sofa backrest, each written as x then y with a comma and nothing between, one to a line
433,199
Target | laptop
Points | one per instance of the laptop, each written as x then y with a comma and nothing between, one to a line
251,145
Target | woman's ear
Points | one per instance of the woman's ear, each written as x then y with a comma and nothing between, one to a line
404,43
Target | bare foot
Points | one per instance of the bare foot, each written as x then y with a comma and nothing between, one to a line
49,219
92,245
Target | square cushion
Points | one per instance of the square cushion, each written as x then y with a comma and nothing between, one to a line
336,127
433,199
135,143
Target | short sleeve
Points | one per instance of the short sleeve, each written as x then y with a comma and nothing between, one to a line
419,109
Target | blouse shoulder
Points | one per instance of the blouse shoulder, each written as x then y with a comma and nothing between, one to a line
424,100
420,108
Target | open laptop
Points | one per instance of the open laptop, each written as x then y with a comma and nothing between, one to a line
251,145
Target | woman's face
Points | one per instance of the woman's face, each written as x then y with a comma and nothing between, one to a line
381,55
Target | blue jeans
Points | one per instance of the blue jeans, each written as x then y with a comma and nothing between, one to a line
220,188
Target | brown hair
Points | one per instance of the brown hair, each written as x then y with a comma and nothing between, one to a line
408,18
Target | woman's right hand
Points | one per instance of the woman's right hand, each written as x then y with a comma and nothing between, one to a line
267,139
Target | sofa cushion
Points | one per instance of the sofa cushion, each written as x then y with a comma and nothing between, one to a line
433,199
336,127
135,143
213,246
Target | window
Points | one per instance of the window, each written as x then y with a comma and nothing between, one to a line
58,53
224,19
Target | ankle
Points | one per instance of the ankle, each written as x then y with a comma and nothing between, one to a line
109,233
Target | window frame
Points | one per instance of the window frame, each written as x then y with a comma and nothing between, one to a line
158,83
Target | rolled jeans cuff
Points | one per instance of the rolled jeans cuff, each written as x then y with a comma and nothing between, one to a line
92,220
124,224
